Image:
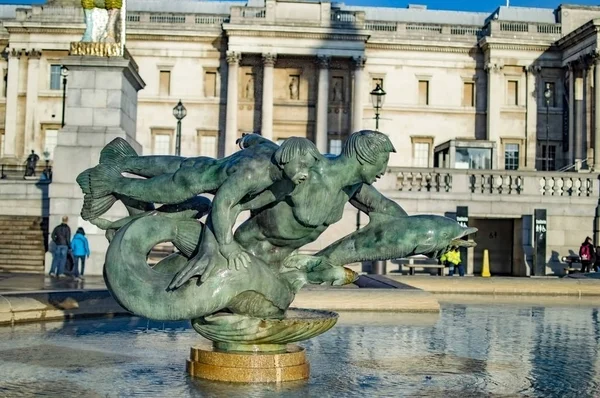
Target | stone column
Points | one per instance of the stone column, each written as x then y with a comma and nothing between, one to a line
596,112
357,105
231,129
101,106
571,75
322,103
33,72
532,72
579,115
494,86
267,96
12,98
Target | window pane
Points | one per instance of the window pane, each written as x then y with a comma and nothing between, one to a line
208,146
210,84
162,144
512,97
511,156
421,154
473,158
165,82
423,92
55,77
469,94
50,142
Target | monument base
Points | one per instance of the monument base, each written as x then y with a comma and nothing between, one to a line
258,367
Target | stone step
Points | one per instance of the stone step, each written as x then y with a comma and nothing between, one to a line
24,245
21,238
27,232
8,258
17,269
6,249
22,264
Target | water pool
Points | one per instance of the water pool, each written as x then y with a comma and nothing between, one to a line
468,350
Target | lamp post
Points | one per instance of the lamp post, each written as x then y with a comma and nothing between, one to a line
64,72
547,96
377,96
179,112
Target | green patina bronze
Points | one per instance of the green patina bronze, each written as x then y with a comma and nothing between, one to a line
237,286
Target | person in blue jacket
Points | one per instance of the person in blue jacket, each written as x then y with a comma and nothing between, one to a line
81,251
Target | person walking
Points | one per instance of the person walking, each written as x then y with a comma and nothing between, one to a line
81,250
61,236
453,259
587,253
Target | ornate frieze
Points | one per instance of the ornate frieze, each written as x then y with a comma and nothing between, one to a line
534,69
494,67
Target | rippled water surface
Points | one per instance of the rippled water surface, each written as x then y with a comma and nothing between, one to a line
466,351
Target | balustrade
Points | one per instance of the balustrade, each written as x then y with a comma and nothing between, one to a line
490,182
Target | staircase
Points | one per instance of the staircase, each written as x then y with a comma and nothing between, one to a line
22,244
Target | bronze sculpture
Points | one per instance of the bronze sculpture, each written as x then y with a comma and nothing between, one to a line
236,287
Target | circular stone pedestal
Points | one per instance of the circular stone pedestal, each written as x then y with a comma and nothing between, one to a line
260,367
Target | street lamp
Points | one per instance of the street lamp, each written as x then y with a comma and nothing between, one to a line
179,112
64,72
377,96
547,96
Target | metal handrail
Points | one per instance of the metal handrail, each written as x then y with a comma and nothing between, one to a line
569,167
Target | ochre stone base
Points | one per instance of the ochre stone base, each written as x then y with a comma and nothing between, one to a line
207,363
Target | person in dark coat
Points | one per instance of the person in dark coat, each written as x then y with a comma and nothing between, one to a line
31,163
61,236
81,250
587,253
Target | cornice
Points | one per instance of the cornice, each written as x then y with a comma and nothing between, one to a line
486,45
422,48
298,35
578,35
45,30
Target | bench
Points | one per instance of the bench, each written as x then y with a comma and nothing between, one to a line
419,262
411,268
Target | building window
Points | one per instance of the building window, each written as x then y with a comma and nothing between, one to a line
161,144
55,77
512,94
552,101
549,154
511,156
207,145
335,147
468,94
421,154
473,158
210,84
50,142
165,83
423,92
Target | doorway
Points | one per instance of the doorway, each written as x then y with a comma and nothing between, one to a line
497,236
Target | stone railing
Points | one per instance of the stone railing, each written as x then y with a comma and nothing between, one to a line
247,14
136,19
491,182
524,30
420,29
353,19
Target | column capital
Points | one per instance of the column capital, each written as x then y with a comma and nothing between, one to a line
534,69
492,66
359,62
14,53
595,56
269,59
323,61
584,61
34,54
233,58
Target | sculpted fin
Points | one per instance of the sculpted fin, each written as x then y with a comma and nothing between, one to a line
116,150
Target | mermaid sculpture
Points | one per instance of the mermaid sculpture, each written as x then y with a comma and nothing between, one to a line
221,279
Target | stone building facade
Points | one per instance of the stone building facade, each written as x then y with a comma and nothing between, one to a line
464,91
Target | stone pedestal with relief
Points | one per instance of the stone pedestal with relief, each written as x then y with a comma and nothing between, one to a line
101,105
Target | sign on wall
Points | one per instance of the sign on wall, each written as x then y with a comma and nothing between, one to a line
540,227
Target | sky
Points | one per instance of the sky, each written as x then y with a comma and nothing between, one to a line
459,5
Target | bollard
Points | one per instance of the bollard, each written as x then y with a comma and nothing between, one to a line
379,267
485,270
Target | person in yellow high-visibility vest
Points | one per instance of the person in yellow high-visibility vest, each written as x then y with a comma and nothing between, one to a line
452,258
